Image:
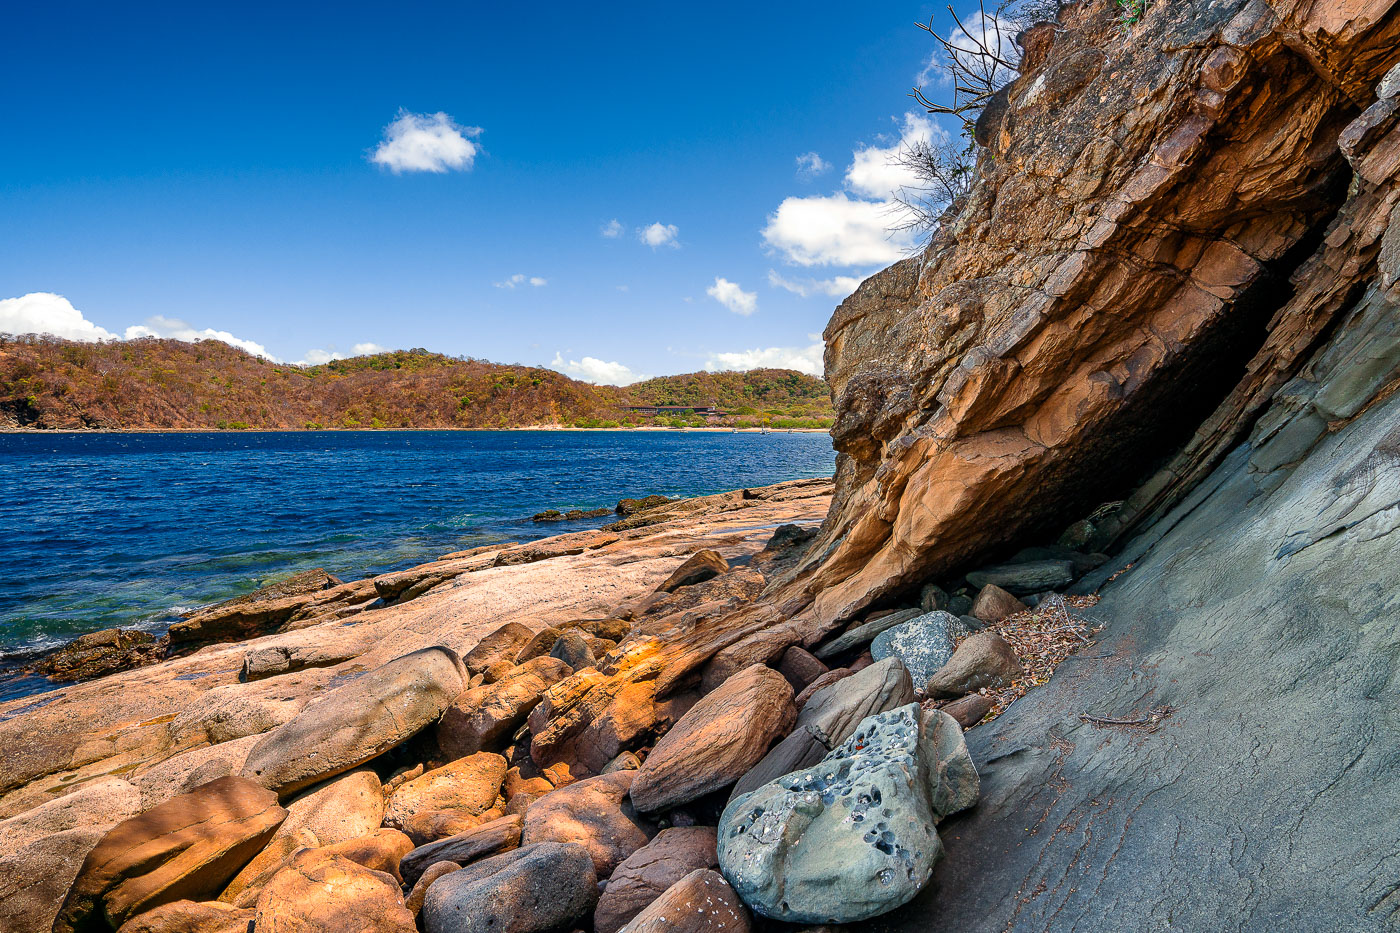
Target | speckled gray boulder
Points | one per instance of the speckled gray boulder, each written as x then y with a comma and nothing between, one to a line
924,644
853,836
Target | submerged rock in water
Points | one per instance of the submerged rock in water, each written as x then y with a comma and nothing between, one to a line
853,836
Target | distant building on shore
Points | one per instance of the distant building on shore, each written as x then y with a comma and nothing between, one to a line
650,410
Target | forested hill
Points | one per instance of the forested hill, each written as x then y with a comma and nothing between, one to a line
152,383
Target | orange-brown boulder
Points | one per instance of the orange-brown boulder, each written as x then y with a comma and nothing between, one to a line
646,874
484,717
723,736
596,814
701,902
191,917
503,644
698,567
332,895
994,604
184,849
469,784
428,825
414,901
984,659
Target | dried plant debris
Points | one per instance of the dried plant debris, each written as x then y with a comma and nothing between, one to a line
1042,637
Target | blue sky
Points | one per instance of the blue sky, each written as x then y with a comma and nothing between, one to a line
193,168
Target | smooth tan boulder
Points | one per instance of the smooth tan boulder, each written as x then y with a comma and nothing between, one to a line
332,895
722,736
380,851
504,644
35,878
646,874
984,659
359,721
486,839
469,785
186,848
596,814
191,917
994,604
697,568
701,902
484,717
346,807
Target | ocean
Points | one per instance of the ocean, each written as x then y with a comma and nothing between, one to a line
129,530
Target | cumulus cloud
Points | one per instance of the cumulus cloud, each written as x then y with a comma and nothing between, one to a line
810,165
596,371
853,226
320,357
612,229
876,172
835,230
176,329
367,349
806,359
659,234
521,278
837,287
47,313
733,297
426,142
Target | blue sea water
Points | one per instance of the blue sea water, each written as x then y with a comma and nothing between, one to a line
106,530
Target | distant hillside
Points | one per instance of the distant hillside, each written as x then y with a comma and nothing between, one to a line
153,383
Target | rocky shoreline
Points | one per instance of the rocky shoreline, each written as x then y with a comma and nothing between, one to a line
555,735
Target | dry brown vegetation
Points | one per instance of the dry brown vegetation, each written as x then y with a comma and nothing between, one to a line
154,383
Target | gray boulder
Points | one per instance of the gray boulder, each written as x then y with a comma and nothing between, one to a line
864,632
924,644
853,836
1027,577
984,659
356,722
537,888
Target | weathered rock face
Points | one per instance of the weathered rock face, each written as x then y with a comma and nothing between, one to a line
356,722
848,839
186,848
1144,197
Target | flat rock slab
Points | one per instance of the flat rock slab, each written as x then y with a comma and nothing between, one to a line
1034,576
186,848
863,634
359,721
717,741
534,889
486,839
923,644
847,839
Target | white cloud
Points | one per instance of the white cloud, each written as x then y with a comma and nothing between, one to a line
659,234
176,329
521,278
598,372
733,297
810,165
367,349
835,231
837,287
996,35
803,359
321,357
612,229
47,313
875,171
426,142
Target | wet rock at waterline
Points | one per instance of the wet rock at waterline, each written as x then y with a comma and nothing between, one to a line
851,837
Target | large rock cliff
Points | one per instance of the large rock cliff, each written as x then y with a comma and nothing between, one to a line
1175,283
